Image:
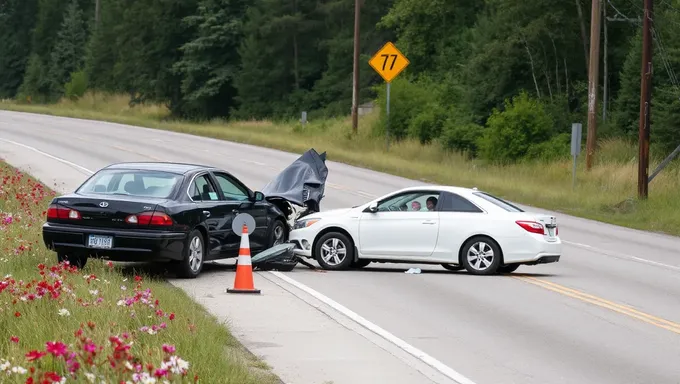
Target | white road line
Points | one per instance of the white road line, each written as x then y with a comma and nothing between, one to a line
420,355
622,256
50,156
406,347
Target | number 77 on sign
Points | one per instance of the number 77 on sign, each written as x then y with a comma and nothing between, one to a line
388,62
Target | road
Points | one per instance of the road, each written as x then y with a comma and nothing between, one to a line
608,312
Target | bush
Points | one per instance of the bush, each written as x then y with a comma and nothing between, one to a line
76,88
407,101
557,148
428,124
461,137
512,132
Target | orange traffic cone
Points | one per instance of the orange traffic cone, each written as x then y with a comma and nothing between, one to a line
243,283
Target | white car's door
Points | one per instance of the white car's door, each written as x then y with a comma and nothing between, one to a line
459,217
397,230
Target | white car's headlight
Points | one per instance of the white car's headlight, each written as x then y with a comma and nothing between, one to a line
304,223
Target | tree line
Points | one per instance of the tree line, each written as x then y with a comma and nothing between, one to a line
502,79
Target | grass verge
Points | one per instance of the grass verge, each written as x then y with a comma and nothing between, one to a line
606,193
101,322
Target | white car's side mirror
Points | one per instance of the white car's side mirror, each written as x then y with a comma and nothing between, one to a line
373,207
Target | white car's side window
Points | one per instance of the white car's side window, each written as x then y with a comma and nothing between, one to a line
410,202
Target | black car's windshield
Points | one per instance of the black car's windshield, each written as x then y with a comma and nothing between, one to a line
131,182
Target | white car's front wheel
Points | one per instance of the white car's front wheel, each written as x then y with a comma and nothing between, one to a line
481,256
334,251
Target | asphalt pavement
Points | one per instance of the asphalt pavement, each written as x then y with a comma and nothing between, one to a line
608,312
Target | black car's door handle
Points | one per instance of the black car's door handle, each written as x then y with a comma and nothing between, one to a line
206,213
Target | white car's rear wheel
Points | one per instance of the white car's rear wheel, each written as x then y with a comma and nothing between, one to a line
334,251
481,256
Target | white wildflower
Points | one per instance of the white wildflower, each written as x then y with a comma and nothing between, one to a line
91,377
19,370
94,292
64,312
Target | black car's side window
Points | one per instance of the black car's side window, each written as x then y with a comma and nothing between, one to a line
230,189
202,190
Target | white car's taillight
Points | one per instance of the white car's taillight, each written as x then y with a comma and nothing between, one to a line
531,226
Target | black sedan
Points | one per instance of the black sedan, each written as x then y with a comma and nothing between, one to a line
176,212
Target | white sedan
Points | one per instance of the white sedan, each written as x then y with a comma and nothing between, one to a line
455,227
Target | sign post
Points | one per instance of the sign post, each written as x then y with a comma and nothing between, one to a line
389,62
576,130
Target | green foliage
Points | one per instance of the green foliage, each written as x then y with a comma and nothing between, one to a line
461,137
272,59
68,55
77,87
407,101
35,83
511,133
208,66
17,17
428,124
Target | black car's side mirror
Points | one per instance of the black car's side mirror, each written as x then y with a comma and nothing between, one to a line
258,196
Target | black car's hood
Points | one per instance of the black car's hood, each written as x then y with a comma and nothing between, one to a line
301,183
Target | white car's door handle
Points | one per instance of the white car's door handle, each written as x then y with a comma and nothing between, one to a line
429,222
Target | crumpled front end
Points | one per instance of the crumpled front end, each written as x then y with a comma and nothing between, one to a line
299,188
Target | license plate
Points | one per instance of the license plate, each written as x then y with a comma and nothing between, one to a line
101,242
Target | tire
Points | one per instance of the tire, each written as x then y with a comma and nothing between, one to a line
343,247
194,255
472,248
74,259
361,263
278,233
508,268
453,267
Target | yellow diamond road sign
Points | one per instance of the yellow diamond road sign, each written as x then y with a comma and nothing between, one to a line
389,62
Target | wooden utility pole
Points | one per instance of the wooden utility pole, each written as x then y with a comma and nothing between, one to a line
355,86
605,82
593,81
645,99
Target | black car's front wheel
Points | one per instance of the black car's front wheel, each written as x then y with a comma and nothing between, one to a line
278,234
194,255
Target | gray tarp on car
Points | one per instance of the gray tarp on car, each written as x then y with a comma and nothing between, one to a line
303,182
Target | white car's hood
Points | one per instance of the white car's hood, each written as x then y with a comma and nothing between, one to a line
330,213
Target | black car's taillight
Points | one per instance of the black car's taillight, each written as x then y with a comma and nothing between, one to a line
57,212
155,219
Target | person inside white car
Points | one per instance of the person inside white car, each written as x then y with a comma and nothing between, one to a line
431,203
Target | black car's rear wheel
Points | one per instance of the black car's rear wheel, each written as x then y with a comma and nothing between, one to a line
76,259
194,255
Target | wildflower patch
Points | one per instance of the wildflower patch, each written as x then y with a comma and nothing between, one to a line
101,324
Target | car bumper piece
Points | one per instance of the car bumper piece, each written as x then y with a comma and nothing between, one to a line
127,245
